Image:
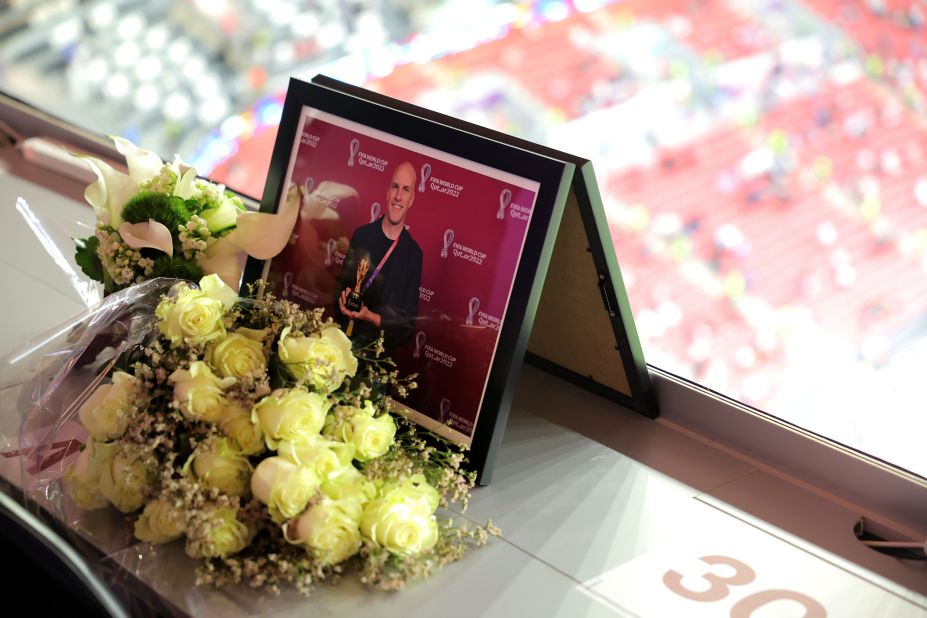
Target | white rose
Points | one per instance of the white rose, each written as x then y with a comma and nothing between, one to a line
399,527
371,436
330,530
236,356
105,414
82,479
318,453
191,317
128,479
322,360
215,288
284,487
348,483
414,491
160,522
238,425
217,533
219,465
336,423
199,392
292,414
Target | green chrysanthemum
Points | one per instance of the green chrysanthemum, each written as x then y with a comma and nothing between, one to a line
165,209
176,267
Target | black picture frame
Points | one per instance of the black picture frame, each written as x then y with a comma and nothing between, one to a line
566,184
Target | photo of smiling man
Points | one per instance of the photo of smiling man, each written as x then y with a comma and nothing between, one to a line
378,288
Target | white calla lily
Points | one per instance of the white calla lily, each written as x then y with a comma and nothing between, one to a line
184,188
153,235
180,166
143,164
109,193
316,205
263,235
224,259
259,234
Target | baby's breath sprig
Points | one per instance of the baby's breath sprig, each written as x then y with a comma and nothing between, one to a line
122,264
194,237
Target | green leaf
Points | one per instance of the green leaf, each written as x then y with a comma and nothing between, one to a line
109,286
194,207
87,258
279,376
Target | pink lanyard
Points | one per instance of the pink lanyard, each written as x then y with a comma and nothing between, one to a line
370,279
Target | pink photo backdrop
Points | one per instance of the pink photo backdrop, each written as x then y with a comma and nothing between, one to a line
470,226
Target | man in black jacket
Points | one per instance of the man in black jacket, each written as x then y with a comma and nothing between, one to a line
389,289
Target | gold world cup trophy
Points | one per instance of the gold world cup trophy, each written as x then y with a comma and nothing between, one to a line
353,302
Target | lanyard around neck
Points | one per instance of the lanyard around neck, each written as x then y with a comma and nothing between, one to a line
380,265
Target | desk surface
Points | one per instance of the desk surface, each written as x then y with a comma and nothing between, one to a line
596,504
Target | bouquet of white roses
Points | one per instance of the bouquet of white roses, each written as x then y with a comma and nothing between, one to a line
249,429
161,220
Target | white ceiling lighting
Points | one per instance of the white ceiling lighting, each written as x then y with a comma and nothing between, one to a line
148,68
370,26
284,14
284,53
130,26
330,35
146,97
232,127
178,50
194,67
207,85
127,54
96,70
213,8
156,37
305,25
65,33
177,106
212,110
102,15
117,87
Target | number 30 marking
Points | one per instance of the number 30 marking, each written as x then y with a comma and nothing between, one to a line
745,607
743,574
719,585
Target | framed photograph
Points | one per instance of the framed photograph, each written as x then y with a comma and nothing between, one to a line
428,230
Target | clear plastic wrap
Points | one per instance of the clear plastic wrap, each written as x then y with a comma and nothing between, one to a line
44,384
47,383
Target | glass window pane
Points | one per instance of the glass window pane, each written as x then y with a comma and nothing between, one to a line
762,163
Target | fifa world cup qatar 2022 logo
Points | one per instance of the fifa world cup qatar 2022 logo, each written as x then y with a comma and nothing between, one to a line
287,281
448,240
472,308
444,408
308,186
374,211
426,172
419,344
330,247
355,148
504,198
